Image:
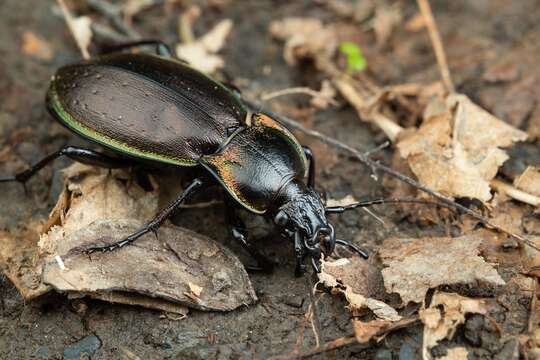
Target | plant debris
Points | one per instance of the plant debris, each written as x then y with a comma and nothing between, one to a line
351,277
167,271
457,149
416,265
445,313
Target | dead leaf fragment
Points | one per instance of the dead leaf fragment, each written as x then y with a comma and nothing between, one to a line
350,277
457,353
349,199
202,53
36,47
378,329
304,38
416,265
173,267
443,316
529,181
387,18
457,149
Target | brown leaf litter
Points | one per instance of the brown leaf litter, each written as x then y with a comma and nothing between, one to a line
442,317
168,271
457,149
413,266
352,277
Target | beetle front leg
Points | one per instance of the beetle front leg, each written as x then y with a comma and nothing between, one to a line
239,233
155,223
311,169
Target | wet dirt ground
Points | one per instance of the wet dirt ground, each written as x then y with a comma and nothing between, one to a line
477,35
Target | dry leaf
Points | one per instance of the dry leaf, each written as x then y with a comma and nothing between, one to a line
349,199
457,149
529,181
168,267
377,329
201,53
443,316
416,265
351,277
304,38
324,97
36,47
195,289
387,18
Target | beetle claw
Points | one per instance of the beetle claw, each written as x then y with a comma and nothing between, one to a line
353,247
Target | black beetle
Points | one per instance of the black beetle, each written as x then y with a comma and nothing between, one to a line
154,108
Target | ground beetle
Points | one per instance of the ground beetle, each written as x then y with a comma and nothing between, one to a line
155,108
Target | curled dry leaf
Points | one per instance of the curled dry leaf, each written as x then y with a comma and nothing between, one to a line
443,316
201,53
304,38
176,266
457,149
351,277
416,265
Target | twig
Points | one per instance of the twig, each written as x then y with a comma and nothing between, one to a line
315,321
331,345
297,90
185,24
70,21
376,165
515,193
435,37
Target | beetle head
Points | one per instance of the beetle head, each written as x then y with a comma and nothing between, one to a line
302,217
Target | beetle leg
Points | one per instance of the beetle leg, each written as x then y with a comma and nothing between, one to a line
154,224
79,154
161,48
239,233
311,170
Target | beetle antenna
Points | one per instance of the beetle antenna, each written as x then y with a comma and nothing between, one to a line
353,247
379,201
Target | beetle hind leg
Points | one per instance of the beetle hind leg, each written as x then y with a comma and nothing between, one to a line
152,225
79,154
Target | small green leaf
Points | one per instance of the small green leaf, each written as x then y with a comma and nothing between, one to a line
355,59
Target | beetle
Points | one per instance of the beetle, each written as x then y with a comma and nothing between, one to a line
155,109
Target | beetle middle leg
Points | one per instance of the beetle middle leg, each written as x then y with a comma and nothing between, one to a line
83,155
155,223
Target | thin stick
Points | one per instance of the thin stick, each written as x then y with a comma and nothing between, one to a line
315,322
515,193
296,90
436,41
331,345
70,21
376,165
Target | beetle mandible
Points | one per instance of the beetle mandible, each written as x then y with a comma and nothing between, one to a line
154,108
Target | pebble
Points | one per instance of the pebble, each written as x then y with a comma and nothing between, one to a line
87,345
383,354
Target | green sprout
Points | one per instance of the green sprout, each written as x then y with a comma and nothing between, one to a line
355,59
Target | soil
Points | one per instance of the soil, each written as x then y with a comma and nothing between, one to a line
492,50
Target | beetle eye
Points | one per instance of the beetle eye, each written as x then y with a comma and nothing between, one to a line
281,218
